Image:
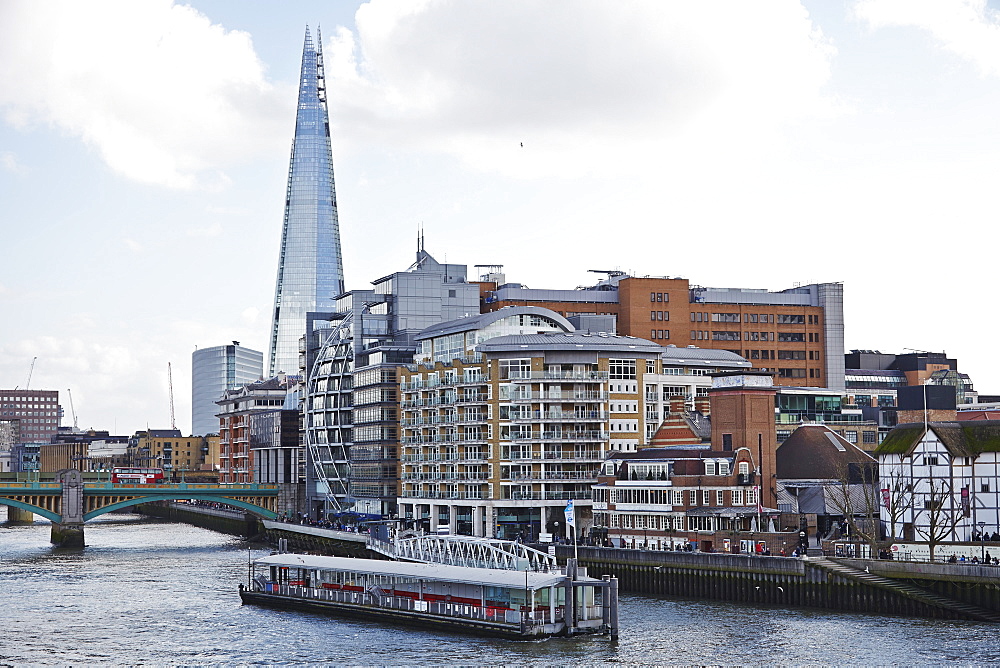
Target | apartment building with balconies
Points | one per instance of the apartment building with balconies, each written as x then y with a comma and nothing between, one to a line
508,415
235,437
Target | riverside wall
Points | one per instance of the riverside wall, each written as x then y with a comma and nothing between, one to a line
234,523
783,581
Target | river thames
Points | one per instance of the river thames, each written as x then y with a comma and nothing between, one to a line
147,592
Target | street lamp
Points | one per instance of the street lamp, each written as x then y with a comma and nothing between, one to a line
982,540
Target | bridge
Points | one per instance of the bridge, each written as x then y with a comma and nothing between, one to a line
69,502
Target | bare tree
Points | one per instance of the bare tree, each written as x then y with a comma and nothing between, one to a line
897,497
938,512
856,497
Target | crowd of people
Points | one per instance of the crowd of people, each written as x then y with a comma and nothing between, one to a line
304,520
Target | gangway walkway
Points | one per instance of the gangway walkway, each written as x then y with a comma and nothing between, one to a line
465,551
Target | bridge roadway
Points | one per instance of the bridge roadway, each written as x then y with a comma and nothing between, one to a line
69,502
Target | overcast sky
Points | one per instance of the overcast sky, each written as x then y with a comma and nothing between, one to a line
144,152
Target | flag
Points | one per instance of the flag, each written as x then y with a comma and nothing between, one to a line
570,514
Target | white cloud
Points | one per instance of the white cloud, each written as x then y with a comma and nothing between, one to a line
207,231
10,163
164,96
968,28
250,315
133,245
581,84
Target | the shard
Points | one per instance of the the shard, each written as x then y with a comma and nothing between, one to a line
310,271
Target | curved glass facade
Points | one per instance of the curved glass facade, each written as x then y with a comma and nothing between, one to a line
310,271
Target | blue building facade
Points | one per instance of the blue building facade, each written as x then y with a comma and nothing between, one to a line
310,270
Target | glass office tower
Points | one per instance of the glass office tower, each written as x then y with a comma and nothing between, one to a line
213,371
310,272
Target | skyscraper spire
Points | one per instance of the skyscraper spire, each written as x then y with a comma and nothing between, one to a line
310,270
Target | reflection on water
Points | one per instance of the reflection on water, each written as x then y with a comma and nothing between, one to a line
145,591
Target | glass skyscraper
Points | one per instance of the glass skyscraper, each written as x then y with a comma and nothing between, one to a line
310,271
213,371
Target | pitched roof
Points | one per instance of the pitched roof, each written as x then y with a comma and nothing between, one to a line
966,438
815,452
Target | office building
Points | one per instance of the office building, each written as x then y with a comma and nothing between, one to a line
215,370
797,334
29,416
310,271
236,407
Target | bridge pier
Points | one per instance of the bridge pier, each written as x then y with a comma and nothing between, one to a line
19,516
67,535
69,532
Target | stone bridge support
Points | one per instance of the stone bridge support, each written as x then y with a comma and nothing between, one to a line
69,533
19,515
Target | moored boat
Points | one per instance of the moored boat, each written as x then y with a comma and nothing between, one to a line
513,604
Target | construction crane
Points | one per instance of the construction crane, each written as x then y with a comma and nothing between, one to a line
72,410
170,383
31,369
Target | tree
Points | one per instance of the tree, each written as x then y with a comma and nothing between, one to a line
897,497
939,515
856,497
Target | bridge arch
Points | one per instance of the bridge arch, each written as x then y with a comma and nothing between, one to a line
183,495
37,510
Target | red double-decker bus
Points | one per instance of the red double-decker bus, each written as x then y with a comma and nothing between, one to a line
136,476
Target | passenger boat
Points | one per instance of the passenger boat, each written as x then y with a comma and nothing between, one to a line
513,604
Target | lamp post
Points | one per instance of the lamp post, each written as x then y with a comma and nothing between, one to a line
982,539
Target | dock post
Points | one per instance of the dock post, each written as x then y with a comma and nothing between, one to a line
569,609
606,602
613,608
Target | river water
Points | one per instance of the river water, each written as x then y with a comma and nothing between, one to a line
149,592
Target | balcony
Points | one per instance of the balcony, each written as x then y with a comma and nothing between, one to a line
444,438
566,397
552,476
745,478
557,415
471,495
445,457
579,376
561,436
516,455
422,475
545,496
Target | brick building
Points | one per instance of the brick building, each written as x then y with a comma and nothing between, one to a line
796,334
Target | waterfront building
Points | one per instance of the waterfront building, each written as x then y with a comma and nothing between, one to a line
873,379
276,455
29,416
310,270
827,480
215,370
235,408
940,480
686,372
167,449
508,415
797,334
795,406
352,357
693,492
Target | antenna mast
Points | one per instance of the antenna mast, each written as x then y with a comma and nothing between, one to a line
170,382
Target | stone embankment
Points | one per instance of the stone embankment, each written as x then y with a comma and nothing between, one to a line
893,588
